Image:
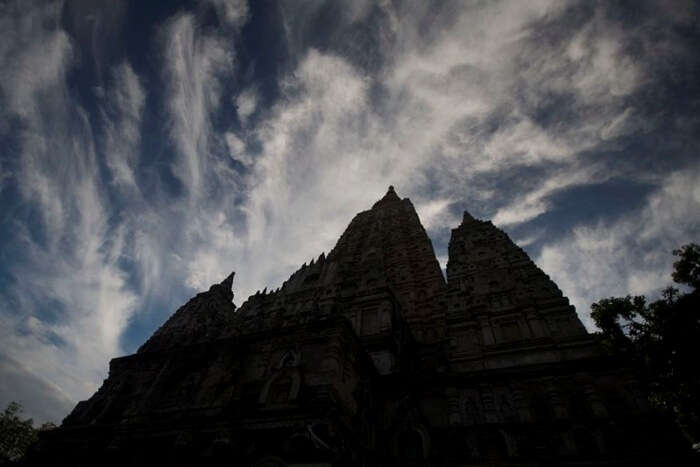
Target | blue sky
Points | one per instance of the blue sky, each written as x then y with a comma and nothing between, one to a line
147,149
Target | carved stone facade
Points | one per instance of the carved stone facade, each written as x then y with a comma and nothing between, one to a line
369,357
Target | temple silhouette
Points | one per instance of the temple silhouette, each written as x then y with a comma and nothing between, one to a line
369,357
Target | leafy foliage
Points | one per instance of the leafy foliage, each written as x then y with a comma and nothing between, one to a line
663,339
687,269
16,435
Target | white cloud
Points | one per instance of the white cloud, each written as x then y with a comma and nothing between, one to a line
621,125
604,68
122,124
246,102
39,56
233,12
237,148
631,254
329,151
435,213
522,242
535,203
194,64
72,274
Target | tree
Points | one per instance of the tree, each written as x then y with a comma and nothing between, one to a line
687,269
16,435
663,339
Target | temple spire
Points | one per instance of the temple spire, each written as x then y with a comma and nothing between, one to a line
391,193
228,282
389,196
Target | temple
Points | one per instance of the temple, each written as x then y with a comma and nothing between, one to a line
369,357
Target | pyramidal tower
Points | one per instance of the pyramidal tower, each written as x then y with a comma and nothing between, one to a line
502,309
367,356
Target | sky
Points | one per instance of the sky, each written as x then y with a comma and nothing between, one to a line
148,149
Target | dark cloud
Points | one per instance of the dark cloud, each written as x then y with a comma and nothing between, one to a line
40,400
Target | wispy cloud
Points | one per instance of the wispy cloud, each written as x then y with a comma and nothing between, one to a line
194,63
536,202
631,254
67,304
122,125
457,104
170,175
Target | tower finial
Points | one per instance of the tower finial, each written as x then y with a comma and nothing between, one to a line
389,197
228,282
225,286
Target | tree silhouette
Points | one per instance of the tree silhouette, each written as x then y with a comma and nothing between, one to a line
663,339
16,435
687,269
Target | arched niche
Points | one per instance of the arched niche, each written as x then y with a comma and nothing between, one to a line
290,359
282,388
412,444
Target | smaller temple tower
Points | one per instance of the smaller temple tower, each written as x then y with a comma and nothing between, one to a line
499,300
